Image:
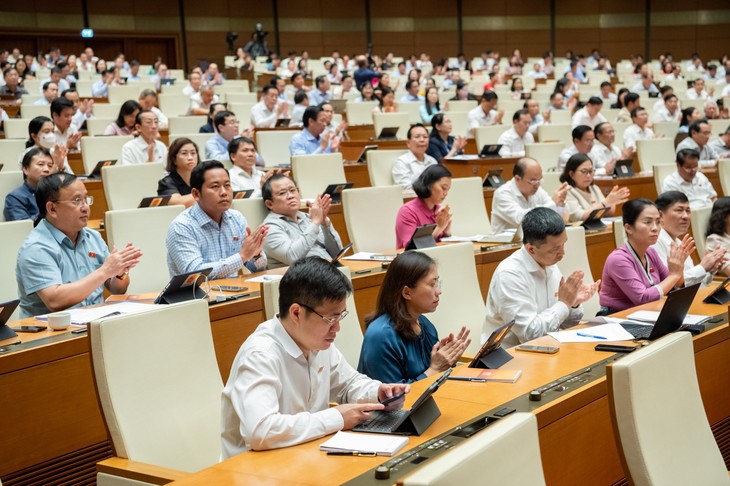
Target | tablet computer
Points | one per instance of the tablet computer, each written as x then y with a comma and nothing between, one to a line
490,150
338,257
492,355
6,310
593,221
422,238
494,178
388,133
363,157
624,168
245,194
154,201
184,287
335,191
96,172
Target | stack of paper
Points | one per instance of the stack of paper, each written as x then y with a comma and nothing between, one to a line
84,316
381,445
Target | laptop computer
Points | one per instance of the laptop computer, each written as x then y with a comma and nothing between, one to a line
96,172
335,191
593,221
184,287
490,150
624,168
388,133
422,237
245,194
363,157
415,421
492,355
154,201
670,317
494,178
6,310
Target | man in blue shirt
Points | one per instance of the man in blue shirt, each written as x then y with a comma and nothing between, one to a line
322,92
226,126
311,140
20,202
211,235
62,263
412,88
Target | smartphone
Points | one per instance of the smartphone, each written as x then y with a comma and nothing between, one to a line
615,348
29,328
393,398
231,288
538,349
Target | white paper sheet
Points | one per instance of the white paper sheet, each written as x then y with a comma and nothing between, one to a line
265,278
367,256
611,332
383,445
84,316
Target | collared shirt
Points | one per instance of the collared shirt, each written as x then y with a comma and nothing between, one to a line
297,115
411,215
407,168
47,257
18,93
317,97
602,155
173,184
625,283
197,103
243,181
565,154
634,133
62,138
708,158
216,148
98,90
536,121
512,144
262,117
304,143
195,242
410,98
276,397
524,291
692,273
20,203
639,87
719,148
288,241
135,152
114,129
693,95
699,192
582,117
509,206
477,117
577,202
41,102
661,114
79,118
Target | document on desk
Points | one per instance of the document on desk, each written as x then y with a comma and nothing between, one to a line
505,237
365,444
651,317
265,278
84,316
371,257
604,333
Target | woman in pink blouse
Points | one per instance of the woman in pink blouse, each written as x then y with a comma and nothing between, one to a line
634,274
124,124
431,187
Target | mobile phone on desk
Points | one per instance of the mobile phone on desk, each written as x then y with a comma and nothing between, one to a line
29,328
538,349
393,398
615,348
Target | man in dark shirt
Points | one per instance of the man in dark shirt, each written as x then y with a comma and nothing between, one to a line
10,74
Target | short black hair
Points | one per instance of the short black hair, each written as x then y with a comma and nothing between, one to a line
539,223
234,145
684,154
268,87
518,114
595,100
266,193
575,161
197,175
663,90
47,84
311,281
48,189
579,131
669,97
696,126
667,199
632,209
320,80
28,157
630,98
598,129
414,126
60,104
138,118
489,95
409,83
300,96
432,173
635,112
311,113
220,118
605,83
555,94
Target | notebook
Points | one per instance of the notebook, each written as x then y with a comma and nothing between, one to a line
376,445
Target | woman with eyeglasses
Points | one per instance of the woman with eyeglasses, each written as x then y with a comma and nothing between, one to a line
401,345
20,203
584,196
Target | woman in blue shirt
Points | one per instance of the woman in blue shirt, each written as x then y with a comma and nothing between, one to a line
401,345
20,203
430,105
441,144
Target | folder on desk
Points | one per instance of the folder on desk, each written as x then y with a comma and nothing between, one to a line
379,445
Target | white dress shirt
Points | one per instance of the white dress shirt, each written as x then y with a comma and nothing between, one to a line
243,181
509,206
719,148
565,154
524,291
477,118
512,144
693,95
708,158
276,397
582,117
661,114
699,192
407,168
602,155
262,117
634,133
692,273
135,152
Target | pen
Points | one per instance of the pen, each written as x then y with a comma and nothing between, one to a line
352,453
590,336
466,378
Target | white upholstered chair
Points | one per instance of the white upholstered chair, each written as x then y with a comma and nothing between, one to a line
700,220
12,235
253,210
370,214
466,201
9,181
314,173
576,258
126,185
96,149
380,166
655,151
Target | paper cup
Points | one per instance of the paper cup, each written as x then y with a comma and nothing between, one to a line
59,321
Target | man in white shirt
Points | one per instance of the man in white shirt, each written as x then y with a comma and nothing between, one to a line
689,181
583,138
606,94
148,99
517,196
195,82
269,109
605,153
288,371
646,84
590,115
83,110
699,135
200,102
528,287
513,140
244,174
663,91
536,118
62,113
146,147
485,114
669,110
698,92
674,210
720,146
638,130
50,93
409,166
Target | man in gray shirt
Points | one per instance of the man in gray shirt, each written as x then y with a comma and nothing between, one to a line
294,234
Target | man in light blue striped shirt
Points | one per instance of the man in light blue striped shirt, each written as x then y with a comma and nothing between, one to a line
209,234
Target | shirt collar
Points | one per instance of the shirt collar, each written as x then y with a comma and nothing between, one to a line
290,346
202,218
530,264
141,142
60,236
308,135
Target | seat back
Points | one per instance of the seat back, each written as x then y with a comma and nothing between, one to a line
491,450
16,128
10,151
126,185
413,109
723,168
146,228
162,407
576,258
314,173
96,126
489,135
28,112
186,124
273,145
667,129
550,181
461,105
546,154
380,166
461,301
95,149
466,200
700,220
200,140
459,123
12,235
655,151
107,110
174,104
659,421
661,171
555,133
719,126
360,113
561,117
9,181
131,91
370,214
252,209
400,120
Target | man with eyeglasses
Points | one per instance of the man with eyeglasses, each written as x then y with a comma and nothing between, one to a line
63,264
514,199
689,181
289,370
529,288
146,147
294,234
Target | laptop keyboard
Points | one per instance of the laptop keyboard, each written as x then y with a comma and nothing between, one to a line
381,421
637,330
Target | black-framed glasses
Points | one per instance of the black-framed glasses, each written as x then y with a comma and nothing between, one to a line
329,320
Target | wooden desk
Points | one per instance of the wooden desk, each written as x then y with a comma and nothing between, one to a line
478,167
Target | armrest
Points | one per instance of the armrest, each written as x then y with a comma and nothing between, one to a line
140,471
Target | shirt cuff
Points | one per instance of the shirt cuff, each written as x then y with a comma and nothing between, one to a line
661,292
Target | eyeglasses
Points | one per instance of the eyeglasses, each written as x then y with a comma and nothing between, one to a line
535,182
586,171
79,201
329,320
